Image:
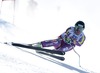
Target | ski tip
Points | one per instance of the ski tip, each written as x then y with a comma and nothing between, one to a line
9,43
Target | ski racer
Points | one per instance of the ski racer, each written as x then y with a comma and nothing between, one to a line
67,41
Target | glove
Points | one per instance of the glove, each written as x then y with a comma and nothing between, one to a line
68,40
74,42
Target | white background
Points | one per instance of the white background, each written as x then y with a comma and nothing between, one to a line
47,19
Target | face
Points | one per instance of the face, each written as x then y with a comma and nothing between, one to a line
78,29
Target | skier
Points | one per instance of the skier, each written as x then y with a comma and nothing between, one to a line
67,41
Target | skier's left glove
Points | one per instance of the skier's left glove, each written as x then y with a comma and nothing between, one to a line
68,40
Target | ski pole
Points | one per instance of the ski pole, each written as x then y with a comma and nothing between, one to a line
78,56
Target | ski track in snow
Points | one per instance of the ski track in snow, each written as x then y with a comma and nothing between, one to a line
19,66
14,64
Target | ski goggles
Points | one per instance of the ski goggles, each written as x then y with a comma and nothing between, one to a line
79,28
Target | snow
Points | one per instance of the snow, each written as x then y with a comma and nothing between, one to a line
18,61
37,20
24,60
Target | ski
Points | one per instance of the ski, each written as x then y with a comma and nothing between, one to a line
37,48
51,55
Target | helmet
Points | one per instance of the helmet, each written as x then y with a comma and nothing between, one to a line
80,23
79,27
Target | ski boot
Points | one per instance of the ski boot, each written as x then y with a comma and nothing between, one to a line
36,44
